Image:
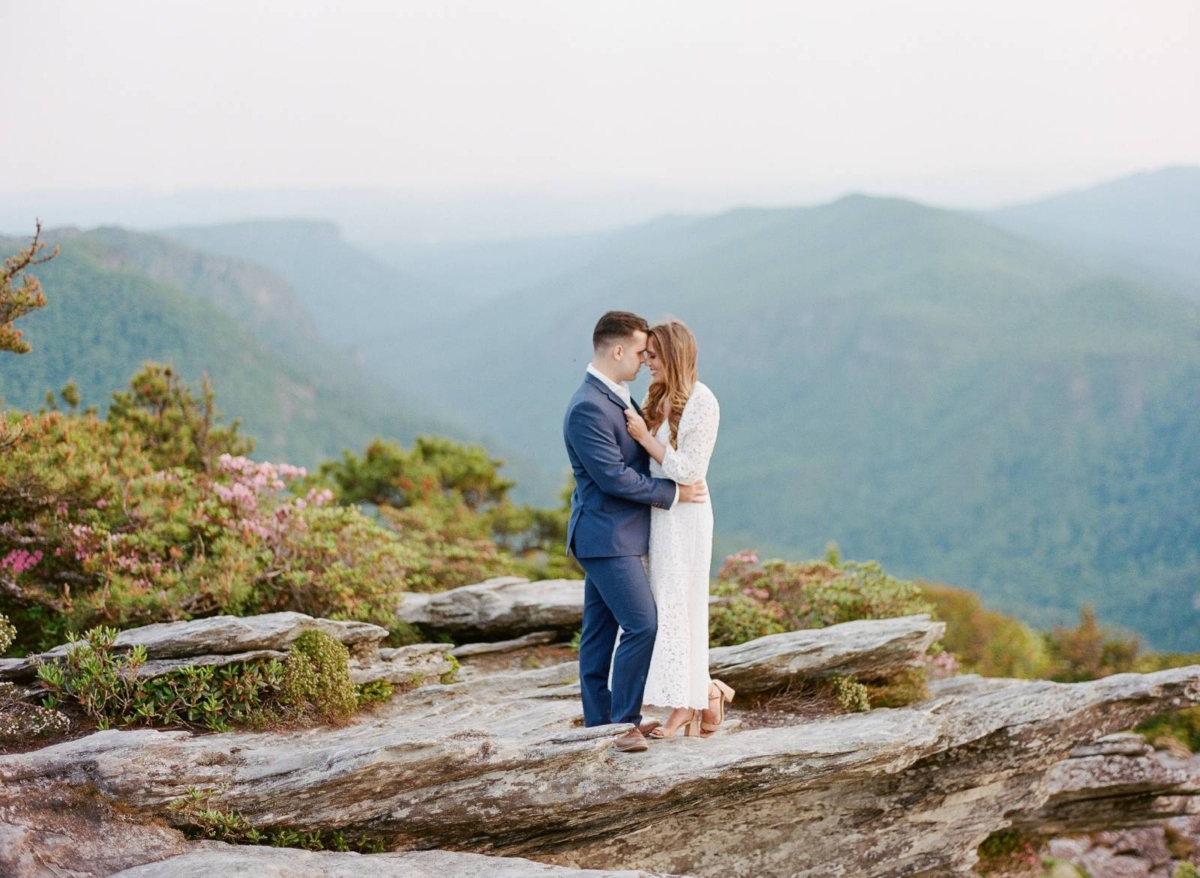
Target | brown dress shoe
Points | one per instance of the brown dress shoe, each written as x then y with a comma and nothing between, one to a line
648,726
633,741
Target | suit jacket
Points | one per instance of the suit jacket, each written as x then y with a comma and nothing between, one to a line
610,509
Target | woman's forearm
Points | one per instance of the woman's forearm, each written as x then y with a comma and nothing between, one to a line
655,448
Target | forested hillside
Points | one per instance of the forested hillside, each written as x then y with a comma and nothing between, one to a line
913,383
116,299
1146,225
962,403
343,288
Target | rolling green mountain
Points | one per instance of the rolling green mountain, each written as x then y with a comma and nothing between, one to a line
914,383
116,299
342,287
477,272
1145,225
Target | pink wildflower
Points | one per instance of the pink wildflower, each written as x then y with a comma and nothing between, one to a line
19,560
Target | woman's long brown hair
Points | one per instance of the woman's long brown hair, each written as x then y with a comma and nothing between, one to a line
677,358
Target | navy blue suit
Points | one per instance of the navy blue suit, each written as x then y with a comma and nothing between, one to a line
608,533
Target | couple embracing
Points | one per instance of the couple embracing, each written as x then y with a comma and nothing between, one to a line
641,527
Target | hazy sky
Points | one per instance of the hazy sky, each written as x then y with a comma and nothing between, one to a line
962,101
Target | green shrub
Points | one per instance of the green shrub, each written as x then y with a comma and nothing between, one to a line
788,596
1063,869
312,682
850,694
104,684
375,692
1185,870
1181,725
449,504
450,676
1007,851
199,819
986,642
448,543
97,529
900,690
7,633
1089,651
204,822
316,677
739,618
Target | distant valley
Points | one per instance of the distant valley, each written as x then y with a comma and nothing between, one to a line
997,401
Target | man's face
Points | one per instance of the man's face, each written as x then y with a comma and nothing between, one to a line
631,355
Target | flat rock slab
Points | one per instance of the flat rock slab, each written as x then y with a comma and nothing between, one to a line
217,635
404,666
497,609
216,860
867,650
537,638
499,766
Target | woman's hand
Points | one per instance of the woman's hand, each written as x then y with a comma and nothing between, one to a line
637,426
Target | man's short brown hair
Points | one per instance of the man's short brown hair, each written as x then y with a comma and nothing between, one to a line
617,326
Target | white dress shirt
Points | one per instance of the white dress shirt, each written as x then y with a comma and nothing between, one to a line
621,390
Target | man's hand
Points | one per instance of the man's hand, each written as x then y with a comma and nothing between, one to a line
697,493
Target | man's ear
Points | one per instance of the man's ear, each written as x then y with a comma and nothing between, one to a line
618,351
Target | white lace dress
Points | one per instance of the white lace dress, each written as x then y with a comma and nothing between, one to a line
680,559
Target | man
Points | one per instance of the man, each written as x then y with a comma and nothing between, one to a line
609,529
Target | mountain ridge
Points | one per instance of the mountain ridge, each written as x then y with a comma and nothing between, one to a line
887,336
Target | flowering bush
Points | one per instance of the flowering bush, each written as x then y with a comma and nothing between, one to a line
789,596
95,530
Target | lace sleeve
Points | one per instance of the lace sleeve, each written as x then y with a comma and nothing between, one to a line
688,463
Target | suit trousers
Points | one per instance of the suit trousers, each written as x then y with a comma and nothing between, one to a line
616,595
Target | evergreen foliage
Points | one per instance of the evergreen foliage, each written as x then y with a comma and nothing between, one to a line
449,504
177,429
16,302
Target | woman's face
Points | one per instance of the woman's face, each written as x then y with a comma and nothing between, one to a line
653,363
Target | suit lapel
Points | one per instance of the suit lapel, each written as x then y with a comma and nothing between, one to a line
606,390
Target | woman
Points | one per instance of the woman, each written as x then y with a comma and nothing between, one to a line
679,432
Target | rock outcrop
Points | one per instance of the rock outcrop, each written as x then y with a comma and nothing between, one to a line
499,765
858,649
1118,781
1149,852
498,609
216,860
223,640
